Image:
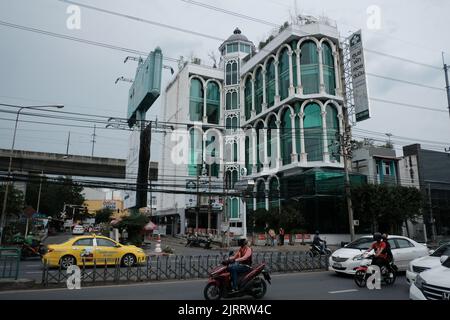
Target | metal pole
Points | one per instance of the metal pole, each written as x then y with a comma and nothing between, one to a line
68,143
93,142
39,194
345,149
433,230
5,197
209,202
447,84
197,211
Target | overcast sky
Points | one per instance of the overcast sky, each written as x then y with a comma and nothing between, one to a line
37,69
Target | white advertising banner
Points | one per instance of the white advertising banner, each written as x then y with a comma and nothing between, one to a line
131,170
359,79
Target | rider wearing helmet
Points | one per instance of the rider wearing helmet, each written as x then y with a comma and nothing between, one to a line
241,262
319,242
379,246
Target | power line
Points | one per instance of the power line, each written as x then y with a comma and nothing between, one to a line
404,81
408,105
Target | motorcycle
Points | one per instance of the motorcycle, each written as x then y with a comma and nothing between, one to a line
388,274
317,250
249,283
196,241
35,249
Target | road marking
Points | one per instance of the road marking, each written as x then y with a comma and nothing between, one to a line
34,272
343,291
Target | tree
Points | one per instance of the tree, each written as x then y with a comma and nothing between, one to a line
15,202
385,208
134,225
54,194
103,215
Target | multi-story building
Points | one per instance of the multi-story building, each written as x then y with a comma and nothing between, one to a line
429,171
279,111
379,164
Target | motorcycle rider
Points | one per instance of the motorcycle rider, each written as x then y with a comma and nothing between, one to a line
379,246
388,251
241,262
319,242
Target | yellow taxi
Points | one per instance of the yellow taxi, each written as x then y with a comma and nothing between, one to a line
90,250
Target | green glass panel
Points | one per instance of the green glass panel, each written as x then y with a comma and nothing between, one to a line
332,131
196,100
283,69
258,91
312,124
248,98
286,137
270,83
328,69
195,153
248,161
213,103
309,67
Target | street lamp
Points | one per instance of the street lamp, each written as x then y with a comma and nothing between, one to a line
5,198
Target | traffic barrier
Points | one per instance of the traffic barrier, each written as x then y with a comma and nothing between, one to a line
171,267
9,263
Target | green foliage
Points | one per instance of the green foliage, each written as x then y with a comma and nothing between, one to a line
103,215
289,217
383,206
135,227
54,195
15,202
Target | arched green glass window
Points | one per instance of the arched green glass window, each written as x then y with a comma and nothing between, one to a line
272,140
259,146
213,102
234,73
228,74
195,152
332,131
298,139
283,70
228,124
231,101
312,125
274,194
270,82
294,62
234,123
286,137
261,195
196,100
309,62
248,98
328,69
233,208
258,90
212,153
248,156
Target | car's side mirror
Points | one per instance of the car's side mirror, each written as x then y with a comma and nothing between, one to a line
445,260
431,252
117,246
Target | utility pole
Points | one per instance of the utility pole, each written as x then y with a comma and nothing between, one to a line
447,84
143,166
430,204
68,143
346,149
197,208
93,141
39,194
209,201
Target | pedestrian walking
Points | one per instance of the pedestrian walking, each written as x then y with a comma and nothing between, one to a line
272,237
281,235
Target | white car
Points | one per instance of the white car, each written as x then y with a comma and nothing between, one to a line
421,264
78,230
432,284
348,258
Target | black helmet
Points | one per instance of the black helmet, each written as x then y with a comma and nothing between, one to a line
377,236
317,232
242,242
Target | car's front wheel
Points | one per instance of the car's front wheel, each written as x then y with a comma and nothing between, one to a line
67,261
360,278
129,260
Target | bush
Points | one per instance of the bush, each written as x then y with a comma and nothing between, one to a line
135,228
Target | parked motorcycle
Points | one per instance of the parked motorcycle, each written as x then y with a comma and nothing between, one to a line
32,250
317,251
388,274
249,283
196,241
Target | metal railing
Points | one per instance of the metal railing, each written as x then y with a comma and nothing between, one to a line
9,263
157,268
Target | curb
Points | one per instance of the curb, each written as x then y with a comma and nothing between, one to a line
6,284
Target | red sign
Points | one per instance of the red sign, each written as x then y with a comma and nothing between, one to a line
29,211
261,236
306,236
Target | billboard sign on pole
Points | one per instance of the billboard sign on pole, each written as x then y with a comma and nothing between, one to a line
131,169
359,78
